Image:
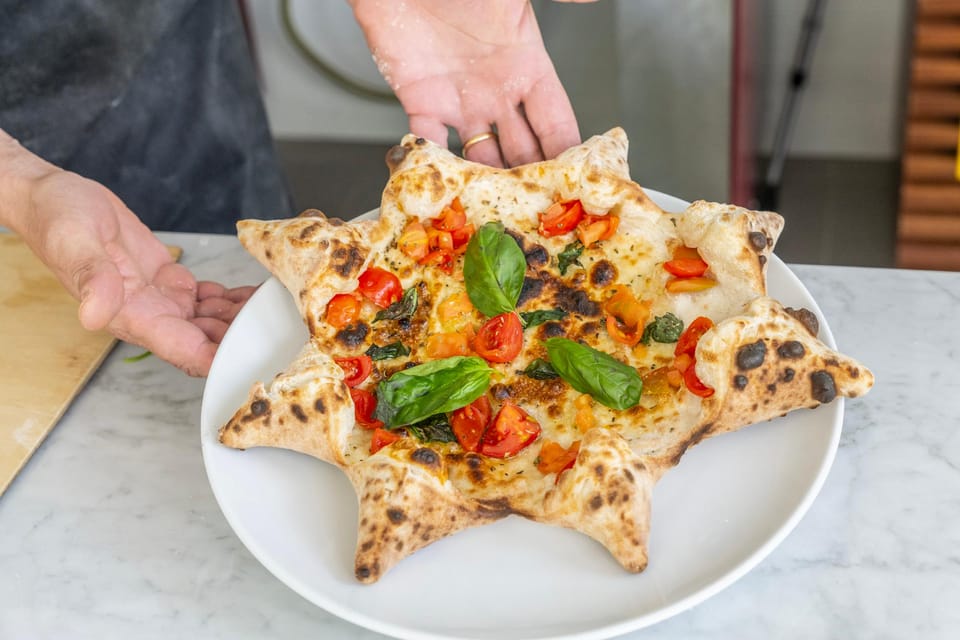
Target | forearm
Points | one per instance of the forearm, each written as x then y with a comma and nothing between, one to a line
19,171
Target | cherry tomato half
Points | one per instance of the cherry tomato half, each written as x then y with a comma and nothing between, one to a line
596,228
381,438
355,370
380,286
686,267
500,338
691,336
450,219
364,404
470,422
623,335
694,384
413,241
555,458
509,433
560,218
343,309
440,258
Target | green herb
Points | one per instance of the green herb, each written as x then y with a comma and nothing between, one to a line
540,369
493,268
405,307
609,381
434,429
533,318
570,255
434,387
665,328
139,357
386,352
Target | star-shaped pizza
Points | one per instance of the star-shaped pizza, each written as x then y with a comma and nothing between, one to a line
541,341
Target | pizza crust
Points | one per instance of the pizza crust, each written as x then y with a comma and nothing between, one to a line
412,494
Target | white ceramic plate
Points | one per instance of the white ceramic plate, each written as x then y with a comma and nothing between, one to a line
728,503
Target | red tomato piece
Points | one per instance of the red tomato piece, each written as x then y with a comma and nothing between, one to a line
560,218
462,236
381,438
509,433
500,338
355,370
686,267
413,241
380,286
691,336
695,385
364,404
440,258
343,309
470,422
555,458
450,219
596,228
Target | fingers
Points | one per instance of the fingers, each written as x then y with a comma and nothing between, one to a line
551,116
430,128
100,288
176,283
181,343
219,308
517,142
213,328
207,289
483,151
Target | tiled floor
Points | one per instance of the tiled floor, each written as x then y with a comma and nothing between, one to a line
837,211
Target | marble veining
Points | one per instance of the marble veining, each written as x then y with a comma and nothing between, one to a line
111,531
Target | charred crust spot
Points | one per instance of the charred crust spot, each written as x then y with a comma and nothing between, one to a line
474,461
363,572
319,406
532,288
307,232
596,501
236,427
740,382
758,240
476,476
854,372
788,374
822,386
551,330
807,318
772,387
629,475
612,497
536,256
791,350
298,413
352,335
603,273
762,259
268,254
576,301
751,356
599,470
366,546
346,260
425,456
399,545
396,515
259,407
335,222
395,156
495,508
420,141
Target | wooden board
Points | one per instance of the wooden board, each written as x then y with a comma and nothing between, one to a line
47,356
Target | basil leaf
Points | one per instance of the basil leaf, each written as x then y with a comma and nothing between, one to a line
493,268
609,381
541,369
434,387
665,328
533,318
570,255
386,352
434,429
405,307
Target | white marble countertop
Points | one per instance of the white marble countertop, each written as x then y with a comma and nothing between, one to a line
111,530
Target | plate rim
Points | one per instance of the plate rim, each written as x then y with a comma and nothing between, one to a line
635,623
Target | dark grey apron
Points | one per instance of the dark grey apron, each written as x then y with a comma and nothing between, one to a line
156,100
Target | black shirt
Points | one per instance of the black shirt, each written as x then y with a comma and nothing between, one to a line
156,100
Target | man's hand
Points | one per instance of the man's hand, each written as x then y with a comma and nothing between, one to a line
472,64
122,274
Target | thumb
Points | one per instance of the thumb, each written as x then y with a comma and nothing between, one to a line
100,287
